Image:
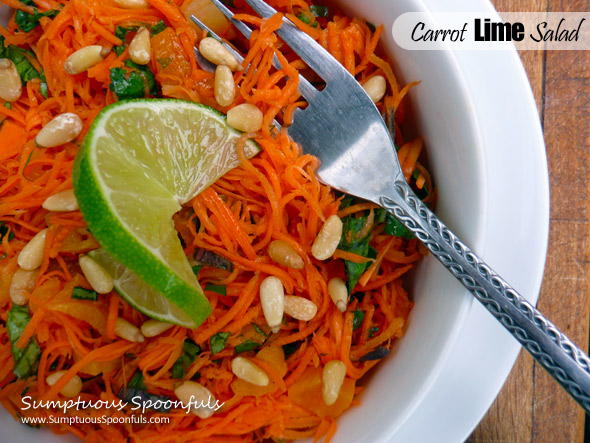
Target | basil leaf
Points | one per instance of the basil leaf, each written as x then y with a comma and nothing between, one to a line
158,27
84,294
319,11
220,289
357,321
394,227
217,342
190,351
248,345
26,359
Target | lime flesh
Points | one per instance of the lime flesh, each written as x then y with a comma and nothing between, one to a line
141,160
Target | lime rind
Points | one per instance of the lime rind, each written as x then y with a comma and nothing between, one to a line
140,160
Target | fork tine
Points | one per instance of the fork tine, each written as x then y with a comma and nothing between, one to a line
242,27
316,57
307,90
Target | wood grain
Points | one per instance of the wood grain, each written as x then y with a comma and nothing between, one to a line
531,406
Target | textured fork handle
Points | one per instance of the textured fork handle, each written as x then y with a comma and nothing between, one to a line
551,348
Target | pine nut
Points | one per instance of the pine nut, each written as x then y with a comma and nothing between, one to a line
326,242
22,283
62,201
338,293
272,299
31,255
300,308
284,254
140,48
224,88
11,86
71,388
132,4
218,54
245,117
84,59
153,327
246,370
332,379
62,129
375,87
201,400
97,276
127,331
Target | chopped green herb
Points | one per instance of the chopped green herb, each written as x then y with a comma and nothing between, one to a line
228,3
371,26
217,342
259,330
196,269
121,31
5,229
351,243
158,27
25,69
190,350
375,354
53,365
8,105
25,359
304,18
158,403
137,381
319,11
346,201
220,289
357,321
84,294
248,345
394,227
373,331
290,348
415,174
134,84
27,22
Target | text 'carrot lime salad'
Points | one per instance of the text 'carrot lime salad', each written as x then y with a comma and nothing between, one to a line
164,247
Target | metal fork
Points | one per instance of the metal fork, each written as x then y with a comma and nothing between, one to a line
344,129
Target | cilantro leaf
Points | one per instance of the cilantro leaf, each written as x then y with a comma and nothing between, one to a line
137,389
137,381
26,359
27,22
190,350
217,342
132,85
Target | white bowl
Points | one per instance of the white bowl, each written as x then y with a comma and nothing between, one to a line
471,200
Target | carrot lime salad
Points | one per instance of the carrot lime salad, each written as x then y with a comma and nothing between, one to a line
170,267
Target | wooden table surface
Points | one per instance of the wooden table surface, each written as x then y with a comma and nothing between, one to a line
531,407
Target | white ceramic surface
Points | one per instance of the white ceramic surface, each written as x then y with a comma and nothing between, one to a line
468,132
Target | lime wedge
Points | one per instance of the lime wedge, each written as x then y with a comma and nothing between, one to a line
141,160
140,295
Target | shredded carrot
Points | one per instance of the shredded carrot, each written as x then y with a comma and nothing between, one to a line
274,195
